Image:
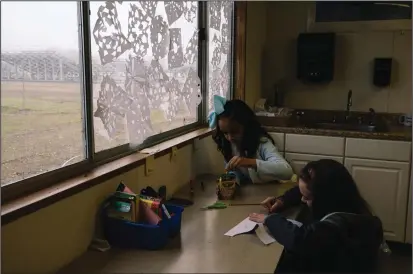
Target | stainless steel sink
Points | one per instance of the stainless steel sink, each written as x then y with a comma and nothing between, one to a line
347,127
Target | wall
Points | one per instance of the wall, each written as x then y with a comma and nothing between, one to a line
356,48
255,42
50,238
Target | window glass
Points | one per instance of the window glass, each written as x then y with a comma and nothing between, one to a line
41,94
220,27
145,69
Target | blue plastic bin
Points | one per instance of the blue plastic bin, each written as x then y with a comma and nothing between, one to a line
126,234
174,224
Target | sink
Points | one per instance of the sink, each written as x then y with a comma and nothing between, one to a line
349,127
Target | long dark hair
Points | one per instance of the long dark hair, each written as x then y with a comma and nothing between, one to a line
333,189
240,112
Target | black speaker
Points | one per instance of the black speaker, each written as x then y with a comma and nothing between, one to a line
315,57
382,72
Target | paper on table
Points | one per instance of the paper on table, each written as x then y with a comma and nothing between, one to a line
263,235
247,225
243,227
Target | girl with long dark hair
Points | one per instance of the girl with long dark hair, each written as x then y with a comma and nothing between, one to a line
247,148
343,235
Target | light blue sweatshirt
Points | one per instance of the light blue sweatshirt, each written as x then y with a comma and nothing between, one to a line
271,166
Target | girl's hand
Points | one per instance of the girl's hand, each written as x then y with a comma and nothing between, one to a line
268,203
272,204
258,218
238,161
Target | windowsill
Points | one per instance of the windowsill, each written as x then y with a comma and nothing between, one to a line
33,202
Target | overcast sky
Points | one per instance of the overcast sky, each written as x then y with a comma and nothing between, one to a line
38,25
54,25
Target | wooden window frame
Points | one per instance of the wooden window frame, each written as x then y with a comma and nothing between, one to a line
240,49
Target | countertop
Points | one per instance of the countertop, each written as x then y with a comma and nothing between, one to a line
396,133
202,246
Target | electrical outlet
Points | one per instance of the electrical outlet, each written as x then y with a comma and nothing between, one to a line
174,153
149,165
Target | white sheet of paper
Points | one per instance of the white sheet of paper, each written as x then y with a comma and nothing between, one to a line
243,227
247,225
263,235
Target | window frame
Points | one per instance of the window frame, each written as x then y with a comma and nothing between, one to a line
239,49
24,187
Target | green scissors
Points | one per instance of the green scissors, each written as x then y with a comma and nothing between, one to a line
216,205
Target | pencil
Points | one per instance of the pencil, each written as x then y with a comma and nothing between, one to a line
245,204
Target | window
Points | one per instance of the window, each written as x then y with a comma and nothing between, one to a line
144,53
41,96
220,27
83,81
362,11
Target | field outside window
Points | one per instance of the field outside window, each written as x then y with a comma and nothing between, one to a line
41,102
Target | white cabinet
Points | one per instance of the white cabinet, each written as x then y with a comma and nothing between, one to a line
384,185
298,160
408,238
316,145
279,140
378,149
301,149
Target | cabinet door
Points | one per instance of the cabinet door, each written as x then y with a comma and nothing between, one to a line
279,140
314,145
298,160
384,185
408,238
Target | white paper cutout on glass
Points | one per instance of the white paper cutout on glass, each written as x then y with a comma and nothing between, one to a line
220,32
215,15
113,101
192,90
159,37
174,90
175,54
190,9
216,54
191,50
108,34
147,52
138,25
174,10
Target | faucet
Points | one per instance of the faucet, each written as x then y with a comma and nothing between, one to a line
349,103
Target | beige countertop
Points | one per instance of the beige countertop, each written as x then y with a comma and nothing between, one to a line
202,246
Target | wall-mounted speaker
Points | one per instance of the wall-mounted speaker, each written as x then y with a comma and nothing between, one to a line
382,72
315,57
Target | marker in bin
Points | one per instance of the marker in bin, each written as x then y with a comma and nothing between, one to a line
166,211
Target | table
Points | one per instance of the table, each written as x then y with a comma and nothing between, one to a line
202,246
